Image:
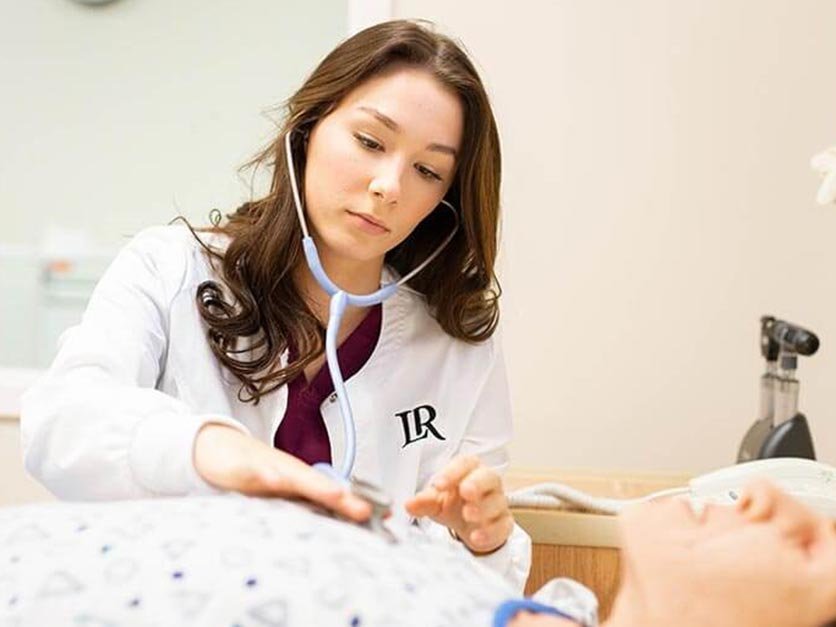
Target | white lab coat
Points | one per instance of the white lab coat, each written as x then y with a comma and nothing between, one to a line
116,414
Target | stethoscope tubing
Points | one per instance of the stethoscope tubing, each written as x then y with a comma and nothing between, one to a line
340,299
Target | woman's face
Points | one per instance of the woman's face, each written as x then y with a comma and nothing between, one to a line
380,162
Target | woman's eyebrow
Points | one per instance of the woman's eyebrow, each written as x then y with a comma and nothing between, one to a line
394,126
382,117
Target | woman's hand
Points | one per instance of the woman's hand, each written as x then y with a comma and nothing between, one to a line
231,460
467,498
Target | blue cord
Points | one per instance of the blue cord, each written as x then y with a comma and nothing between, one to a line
339,301
505,612
338,304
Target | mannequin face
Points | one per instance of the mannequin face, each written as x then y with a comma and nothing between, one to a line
768,561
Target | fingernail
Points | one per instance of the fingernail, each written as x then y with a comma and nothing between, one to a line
439,483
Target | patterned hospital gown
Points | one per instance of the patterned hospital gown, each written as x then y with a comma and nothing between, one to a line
230,561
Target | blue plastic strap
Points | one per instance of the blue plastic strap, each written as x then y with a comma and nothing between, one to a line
505,612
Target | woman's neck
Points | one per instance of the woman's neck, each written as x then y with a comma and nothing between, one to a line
356,277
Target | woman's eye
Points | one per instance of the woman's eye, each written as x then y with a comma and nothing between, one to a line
428,174
367,142
370,144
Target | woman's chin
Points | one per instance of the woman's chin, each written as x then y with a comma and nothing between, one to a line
352,249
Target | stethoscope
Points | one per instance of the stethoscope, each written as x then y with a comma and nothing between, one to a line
340,299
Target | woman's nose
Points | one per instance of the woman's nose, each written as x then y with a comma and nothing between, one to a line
386,183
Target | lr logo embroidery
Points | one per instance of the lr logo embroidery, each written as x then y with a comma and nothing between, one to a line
418,424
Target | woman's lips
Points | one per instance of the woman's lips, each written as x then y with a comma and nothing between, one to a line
368,223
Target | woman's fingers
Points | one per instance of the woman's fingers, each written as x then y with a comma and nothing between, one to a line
427,502
467,497
492,505
492,535
479,483
455,471
290,477
231,460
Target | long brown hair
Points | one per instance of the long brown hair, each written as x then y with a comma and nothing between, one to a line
252,321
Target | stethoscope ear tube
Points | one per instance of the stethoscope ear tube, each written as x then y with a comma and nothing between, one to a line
325,282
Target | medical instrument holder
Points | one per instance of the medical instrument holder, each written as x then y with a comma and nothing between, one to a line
780,429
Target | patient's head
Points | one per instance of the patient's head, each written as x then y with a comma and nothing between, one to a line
766,561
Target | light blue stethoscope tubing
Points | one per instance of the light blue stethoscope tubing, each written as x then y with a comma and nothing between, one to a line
340,299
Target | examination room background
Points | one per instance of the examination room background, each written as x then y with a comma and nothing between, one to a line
658,196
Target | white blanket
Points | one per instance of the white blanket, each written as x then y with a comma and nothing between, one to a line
232,560
228,560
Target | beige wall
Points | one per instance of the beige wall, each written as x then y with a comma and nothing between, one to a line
658,199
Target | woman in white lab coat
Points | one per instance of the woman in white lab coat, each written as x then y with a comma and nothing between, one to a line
198,365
